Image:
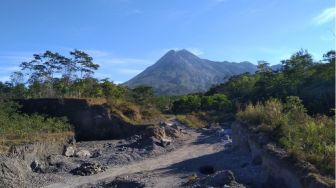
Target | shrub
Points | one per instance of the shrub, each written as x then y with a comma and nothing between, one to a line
191,120
308,138
18,128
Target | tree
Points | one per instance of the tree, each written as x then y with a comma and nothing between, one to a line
330,56
84,63
143,94
111,90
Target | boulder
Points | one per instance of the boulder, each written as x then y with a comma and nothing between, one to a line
164,142
87,169
174,132
37,166
69,151
83,153
159,133
13,173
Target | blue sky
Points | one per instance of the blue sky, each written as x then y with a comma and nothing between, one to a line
126,36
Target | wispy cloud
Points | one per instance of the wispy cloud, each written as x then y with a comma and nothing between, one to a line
105,58
196,51
97,53
129,71
327,15
125,61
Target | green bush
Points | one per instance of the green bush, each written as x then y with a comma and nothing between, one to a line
308,138
195,103
18,128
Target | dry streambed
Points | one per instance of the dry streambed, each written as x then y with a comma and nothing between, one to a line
169,156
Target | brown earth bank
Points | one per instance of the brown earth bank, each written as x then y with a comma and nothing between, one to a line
278,167
91,119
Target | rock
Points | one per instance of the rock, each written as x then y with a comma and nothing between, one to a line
36,166
159,133
13,173
224,177
164,142
96,153
87,169
69,151
173,132
60,163
83,153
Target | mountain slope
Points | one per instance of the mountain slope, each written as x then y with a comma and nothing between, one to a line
181,72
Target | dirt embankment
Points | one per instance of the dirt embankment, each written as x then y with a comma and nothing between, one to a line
90,121
279,169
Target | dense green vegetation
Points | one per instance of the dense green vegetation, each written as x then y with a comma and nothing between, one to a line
18,128
313,82
195,103
305,137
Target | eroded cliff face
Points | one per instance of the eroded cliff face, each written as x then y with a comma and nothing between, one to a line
278,168
90,121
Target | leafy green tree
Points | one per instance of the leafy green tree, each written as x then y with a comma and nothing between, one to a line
143,95
84,63
111,90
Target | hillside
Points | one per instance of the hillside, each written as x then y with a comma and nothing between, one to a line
181,72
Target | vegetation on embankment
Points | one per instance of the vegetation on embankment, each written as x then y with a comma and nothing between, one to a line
191,120
18,128
304,137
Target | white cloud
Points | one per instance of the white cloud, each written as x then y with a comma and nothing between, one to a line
129,61
129,71
97,53
195,51
326,16
118,82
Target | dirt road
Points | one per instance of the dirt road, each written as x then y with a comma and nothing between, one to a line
192,149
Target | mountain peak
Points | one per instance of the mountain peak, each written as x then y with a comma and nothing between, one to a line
185,52
181,72
182,52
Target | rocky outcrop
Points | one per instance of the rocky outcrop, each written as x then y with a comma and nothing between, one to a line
278,168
